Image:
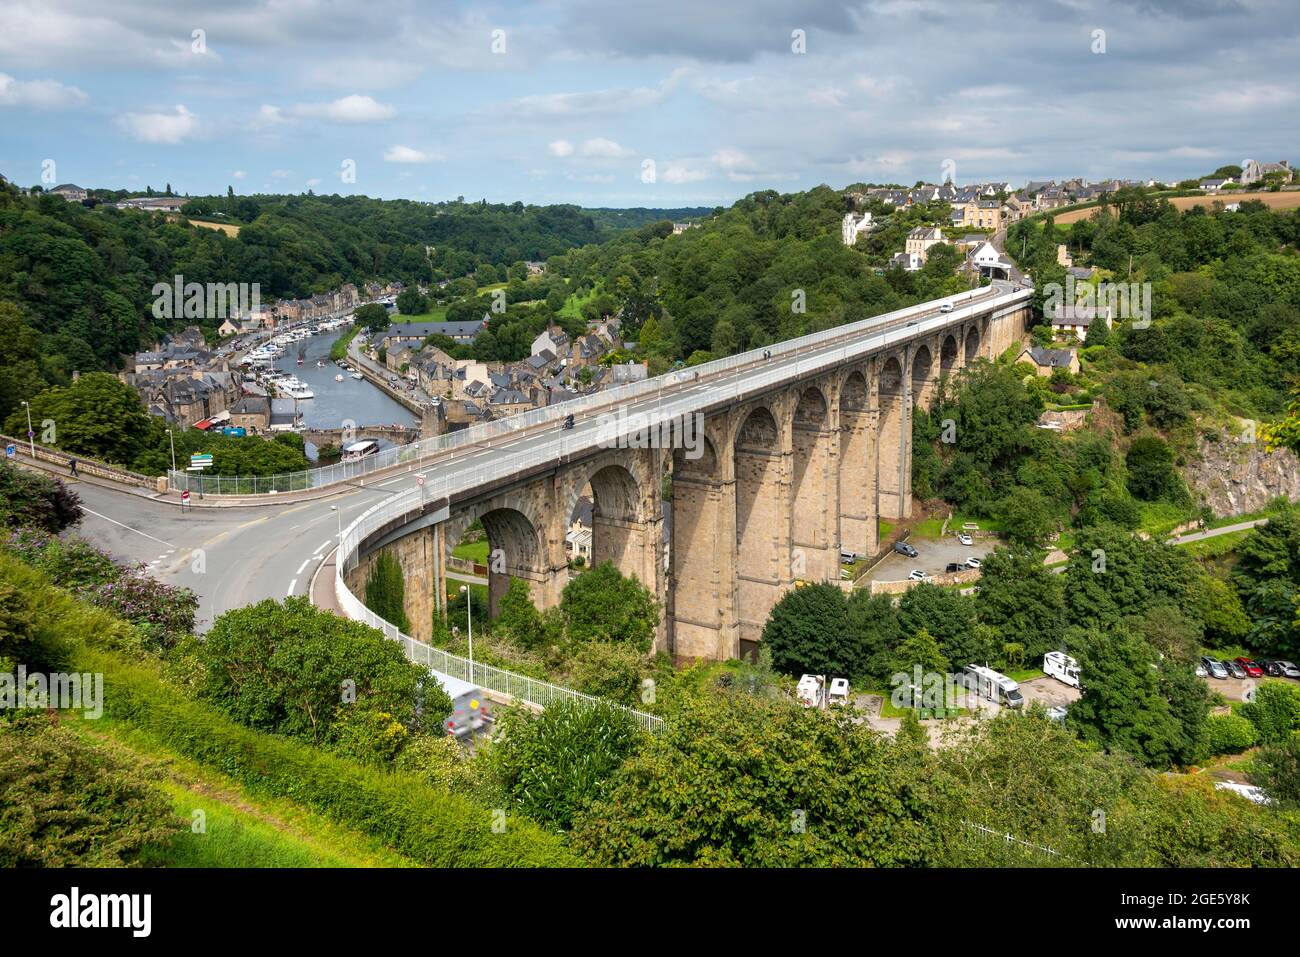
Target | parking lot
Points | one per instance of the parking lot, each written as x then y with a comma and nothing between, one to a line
933,556
1234,689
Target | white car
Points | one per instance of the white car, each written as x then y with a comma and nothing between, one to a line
965,539
917,575
972,562
946,307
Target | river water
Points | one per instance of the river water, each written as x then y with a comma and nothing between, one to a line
355,399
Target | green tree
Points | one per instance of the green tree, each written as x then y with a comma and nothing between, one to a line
98,415
386,591
1151,473
373,316
1275,711
1021,599
34,500
519,617
807,632
602,605
1277,770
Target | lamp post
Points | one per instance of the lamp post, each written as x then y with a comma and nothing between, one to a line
172,441
339,515
31,436
469,620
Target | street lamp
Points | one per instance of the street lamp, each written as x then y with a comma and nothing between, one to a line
31,436
335,510
469,620
172,441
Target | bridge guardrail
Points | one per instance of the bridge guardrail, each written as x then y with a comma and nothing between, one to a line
522,687
485,432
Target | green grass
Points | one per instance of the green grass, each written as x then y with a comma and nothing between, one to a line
1218,546
436,314
572,308
886,529
339,350
472,551
1024,674
238,830
1161,518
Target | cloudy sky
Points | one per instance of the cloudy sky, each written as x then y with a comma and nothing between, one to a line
581,100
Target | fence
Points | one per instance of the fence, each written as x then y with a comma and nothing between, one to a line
521,687
768,372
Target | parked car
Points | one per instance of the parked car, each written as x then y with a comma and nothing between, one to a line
972,562
918,576
1214,667
847,556
905,549
1251,667
1200,671
955,567
1272,668
1289,669
965,539
1236,670
946,307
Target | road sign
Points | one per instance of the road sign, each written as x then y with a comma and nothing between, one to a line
419,480
200,460
185,495
11,451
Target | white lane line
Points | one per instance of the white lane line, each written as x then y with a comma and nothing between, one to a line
292,585
91,511
305,563
323,545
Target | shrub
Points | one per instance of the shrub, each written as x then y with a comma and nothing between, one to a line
609,671
602,604
1275,712
386,591
36,500
1228,734
554,764
65,802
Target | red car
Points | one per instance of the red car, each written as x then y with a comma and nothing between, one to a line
1252,669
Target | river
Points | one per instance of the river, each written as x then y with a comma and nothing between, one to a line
355,399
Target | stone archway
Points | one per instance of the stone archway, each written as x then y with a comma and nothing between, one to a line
762,521
857,470
923,377
895,426
972,345
515,550
949,356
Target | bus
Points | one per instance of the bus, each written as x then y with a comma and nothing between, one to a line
359,450
469,710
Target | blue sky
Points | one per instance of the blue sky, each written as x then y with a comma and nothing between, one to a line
578,95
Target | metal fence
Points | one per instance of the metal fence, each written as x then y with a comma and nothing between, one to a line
521,687
810,349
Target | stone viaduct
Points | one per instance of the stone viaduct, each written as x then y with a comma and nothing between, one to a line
781,482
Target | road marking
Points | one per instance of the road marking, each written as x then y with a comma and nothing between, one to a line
91,511
292,585
305,563
324,544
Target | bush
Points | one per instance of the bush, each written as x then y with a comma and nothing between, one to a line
35,500
1228,734
65,802
556,763
609,671
386,591
1275,712
602,604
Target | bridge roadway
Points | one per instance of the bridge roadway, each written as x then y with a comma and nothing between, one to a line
238,555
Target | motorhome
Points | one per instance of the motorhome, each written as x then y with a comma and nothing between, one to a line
469,710
1059,665
994,686
811,691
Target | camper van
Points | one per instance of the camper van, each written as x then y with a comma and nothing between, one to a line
811,691
1059,665
994,686
469,710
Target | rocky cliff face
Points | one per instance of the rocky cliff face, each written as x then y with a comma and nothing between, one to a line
1234,477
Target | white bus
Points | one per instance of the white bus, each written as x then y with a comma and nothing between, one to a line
1062,667
994,686
469,710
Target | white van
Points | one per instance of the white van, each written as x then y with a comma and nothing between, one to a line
994,686
839,691
469,710
1059,665
811,691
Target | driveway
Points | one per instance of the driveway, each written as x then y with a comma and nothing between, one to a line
933,556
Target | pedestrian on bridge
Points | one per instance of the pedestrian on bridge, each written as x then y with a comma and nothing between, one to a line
72,467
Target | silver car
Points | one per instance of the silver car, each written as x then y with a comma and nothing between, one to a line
1215,668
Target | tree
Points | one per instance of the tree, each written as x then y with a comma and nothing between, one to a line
1021,599
293,669
807,632
739,780
948,617
411,302
609,671
386,591
1275,711
1027,516
519,617
98,415
1151,473
34,500
602,605
1277,770
373,316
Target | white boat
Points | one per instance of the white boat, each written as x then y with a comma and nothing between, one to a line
295,388
357,375
339,377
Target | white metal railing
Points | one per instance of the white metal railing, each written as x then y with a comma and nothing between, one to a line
521,687
771,371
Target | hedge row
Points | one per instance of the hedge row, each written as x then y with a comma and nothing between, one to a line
429,826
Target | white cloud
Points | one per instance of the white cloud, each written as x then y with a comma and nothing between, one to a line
731,159
560,148
677,172
349,109
238,174
604,149
39,94
407,154
160,127
266,116
313,182
281,173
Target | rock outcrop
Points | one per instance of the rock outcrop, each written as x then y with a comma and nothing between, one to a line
1234,477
